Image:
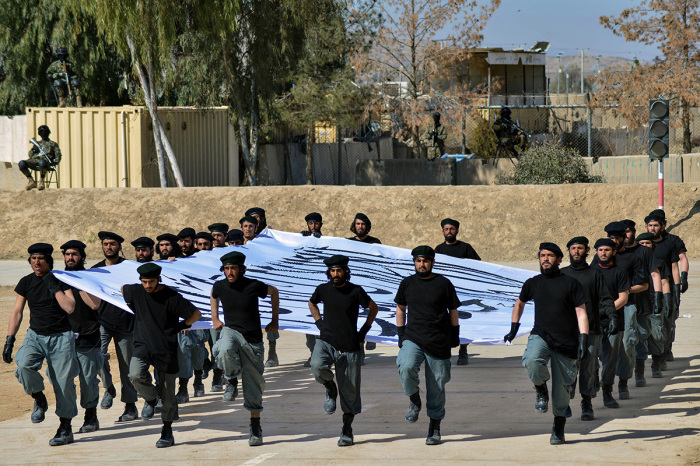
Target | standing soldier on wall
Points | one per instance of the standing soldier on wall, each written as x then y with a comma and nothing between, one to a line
63,78
38,161
435,137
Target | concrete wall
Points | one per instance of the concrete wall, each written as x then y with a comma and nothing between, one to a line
11,177
14,142
691,168
636,169
402,172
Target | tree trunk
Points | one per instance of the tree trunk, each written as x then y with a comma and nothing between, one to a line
310,155
685,119
244,143
171,156
254,128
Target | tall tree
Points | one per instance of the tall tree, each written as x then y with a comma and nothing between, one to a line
673,25
407,50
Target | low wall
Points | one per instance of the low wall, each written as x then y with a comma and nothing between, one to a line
634,169
11,177
422,172
14,143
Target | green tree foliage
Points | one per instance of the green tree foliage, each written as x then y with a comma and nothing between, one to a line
30,32
550,164
484,142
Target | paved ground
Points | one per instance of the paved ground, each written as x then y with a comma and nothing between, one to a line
490,417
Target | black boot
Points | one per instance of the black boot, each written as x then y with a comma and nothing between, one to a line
216,382
557,437
608,400
639,380
166,436
586,408
206,367
542,398
413,407
463,358
40,407
623,390
346,438
662,363
108,398
182,395
130,413
231,391
256,436
656,367
433,433
198,386
90,424
64,434
329,402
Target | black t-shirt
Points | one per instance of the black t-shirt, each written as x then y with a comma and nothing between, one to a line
241,308
84,322
46,317
667,250
157,316
460,250
368,239
429,304
676,240
112,317
556,299
617,281
340,310
599,299
643,299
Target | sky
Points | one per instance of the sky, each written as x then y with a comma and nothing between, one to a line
568,25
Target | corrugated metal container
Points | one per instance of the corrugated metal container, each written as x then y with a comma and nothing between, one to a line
113,146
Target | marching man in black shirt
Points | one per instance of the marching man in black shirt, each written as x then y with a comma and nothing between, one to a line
240,350
157,312
86,326
461,250
340,342
49,337
428,326
560,334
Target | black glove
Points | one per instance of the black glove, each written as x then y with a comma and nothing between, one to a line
684,282
306,233
52,282
362,334
319,325
582,346
668,304
317,234
514,326
677,295
454,336
614,325
7,351
401,331
658,302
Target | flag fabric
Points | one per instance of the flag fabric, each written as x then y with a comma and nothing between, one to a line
294,264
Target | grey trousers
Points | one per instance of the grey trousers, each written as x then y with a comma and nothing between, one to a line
240,359
141,379
671,320
124,346
213,337
537,355
587,372
644,332
191,352
90,362
347,373
610,349
437,374
61,366
658,334
630,338
311,342
273,336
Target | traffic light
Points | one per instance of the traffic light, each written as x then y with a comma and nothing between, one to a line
658,128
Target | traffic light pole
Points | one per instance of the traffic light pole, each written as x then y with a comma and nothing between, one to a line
661,184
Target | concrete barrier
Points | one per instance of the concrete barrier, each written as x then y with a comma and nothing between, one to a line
11,177
14,143
634,169
405,172
691,168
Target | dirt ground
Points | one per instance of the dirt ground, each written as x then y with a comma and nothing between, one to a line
503,223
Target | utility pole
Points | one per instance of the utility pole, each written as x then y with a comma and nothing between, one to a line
558,73
581,71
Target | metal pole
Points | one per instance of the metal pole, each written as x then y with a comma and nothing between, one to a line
590,122
581,71
661,184
488,96
559,75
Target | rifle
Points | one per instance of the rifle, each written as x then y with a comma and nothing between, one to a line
65,71
41,151
435,133
514,125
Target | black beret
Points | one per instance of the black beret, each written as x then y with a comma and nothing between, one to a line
605,242
103,235
658,213
218,227
577,240
205,235
551,247
449,221
40,248
235,235
313,217
336,261
655,217
645,237
363,217
249,219
423,251
233,258
630,224
149,270
615,229
168,237
73,244
186,233
255,210
143,242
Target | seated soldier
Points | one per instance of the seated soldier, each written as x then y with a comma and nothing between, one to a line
43,156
